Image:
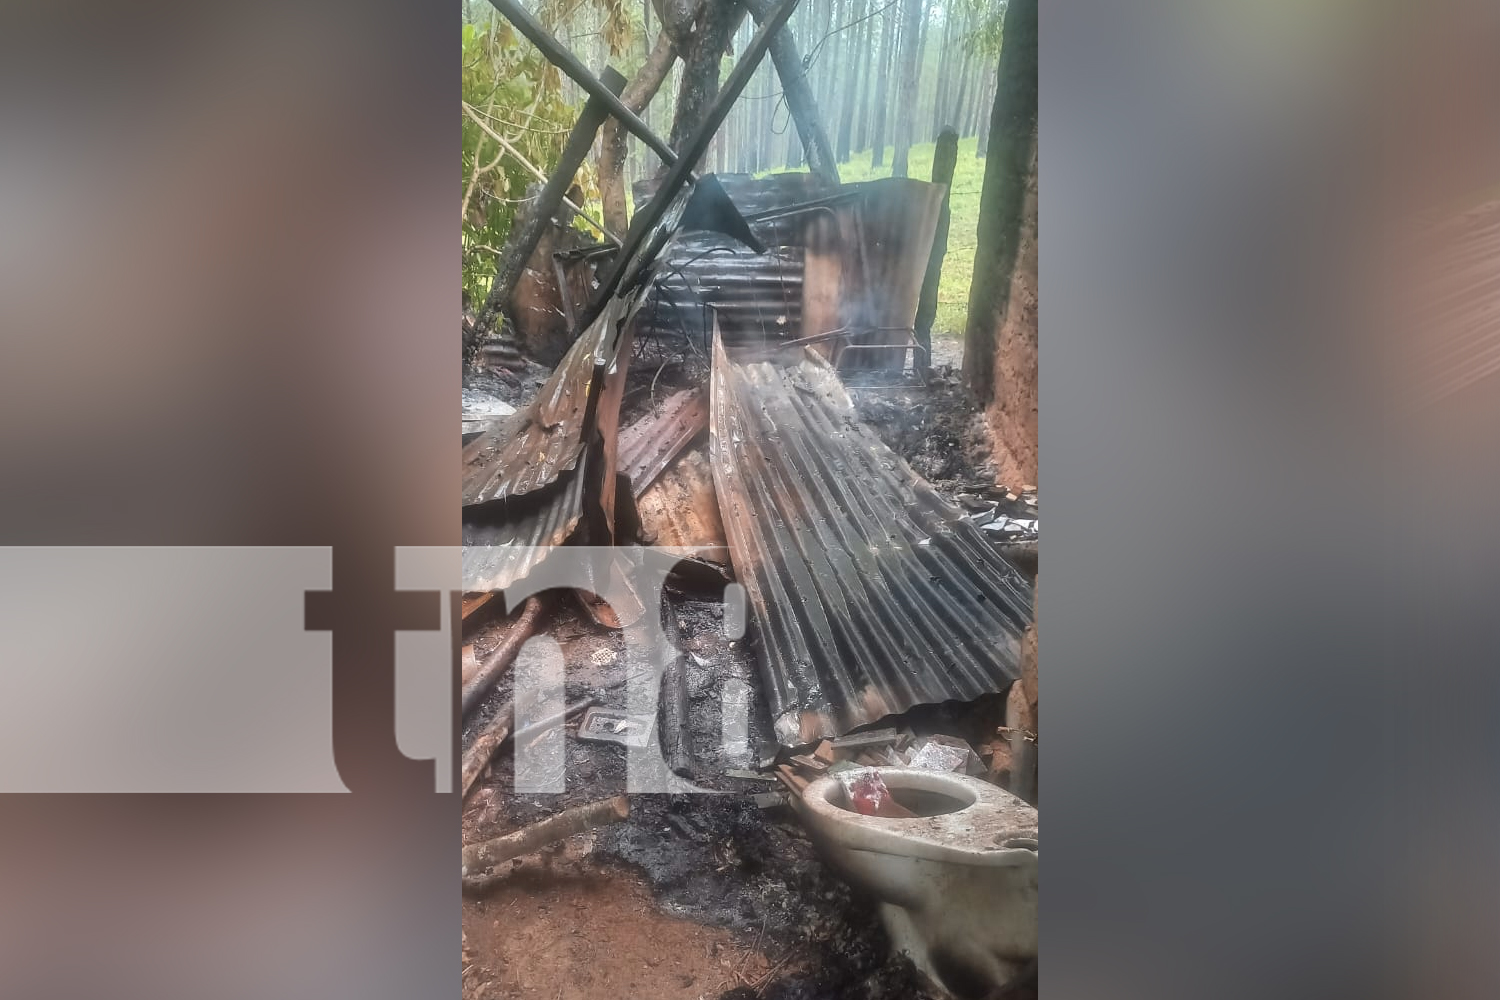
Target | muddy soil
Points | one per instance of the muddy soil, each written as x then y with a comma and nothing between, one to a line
567,928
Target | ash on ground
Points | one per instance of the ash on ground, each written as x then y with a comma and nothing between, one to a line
933,423
484,386
721,860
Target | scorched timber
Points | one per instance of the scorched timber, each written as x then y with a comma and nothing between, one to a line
870,593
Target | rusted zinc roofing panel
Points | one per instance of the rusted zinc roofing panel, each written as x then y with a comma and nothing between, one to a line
524,482
505,537
518,457
680,509
864,268
870,593
502,548
651,443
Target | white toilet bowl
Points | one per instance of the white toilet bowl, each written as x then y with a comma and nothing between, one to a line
957,889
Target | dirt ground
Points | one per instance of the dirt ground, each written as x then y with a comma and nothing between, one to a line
565,928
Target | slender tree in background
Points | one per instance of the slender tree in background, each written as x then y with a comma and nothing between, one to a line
612,150
916,103
713,25
862,114
911,47
941,116
852,77
831,47
1012,138
883,87
987,90
957,108
800,101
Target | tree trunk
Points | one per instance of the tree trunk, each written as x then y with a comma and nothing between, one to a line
852,89
612,149
916,108
1012,138
981,146
799,99
883,89
862,114
911,47
958,112
944,159
941,116
716,23
528,230
763,136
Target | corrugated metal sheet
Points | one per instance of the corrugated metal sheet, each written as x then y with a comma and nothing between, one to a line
864,274
755,196
870,593
501,545
681,509
756,296
524,482
845,271
651,443
519,457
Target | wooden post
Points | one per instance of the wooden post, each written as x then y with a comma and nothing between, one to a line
944,159
799,96
528,230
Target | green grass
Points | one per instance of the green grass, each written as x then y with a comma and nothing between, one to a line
958,265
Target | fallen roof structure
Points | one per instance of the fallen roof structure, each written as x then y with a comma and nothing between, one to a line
531,480
871,594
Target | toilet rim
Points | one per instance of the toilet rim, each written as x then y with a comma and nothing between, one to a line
981,832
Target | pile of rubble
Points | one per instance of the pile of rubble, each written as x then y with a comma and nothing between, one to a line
867,624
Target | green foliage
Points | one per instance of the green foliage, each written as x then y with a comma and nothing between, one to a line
511,92
987,34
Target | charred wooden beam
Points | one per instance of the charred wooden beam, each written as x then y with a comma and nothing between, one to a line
504,655
673,727
558,55
568,823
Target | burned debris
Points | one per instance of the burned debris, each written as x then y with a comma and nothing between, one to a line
837,641
882,622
